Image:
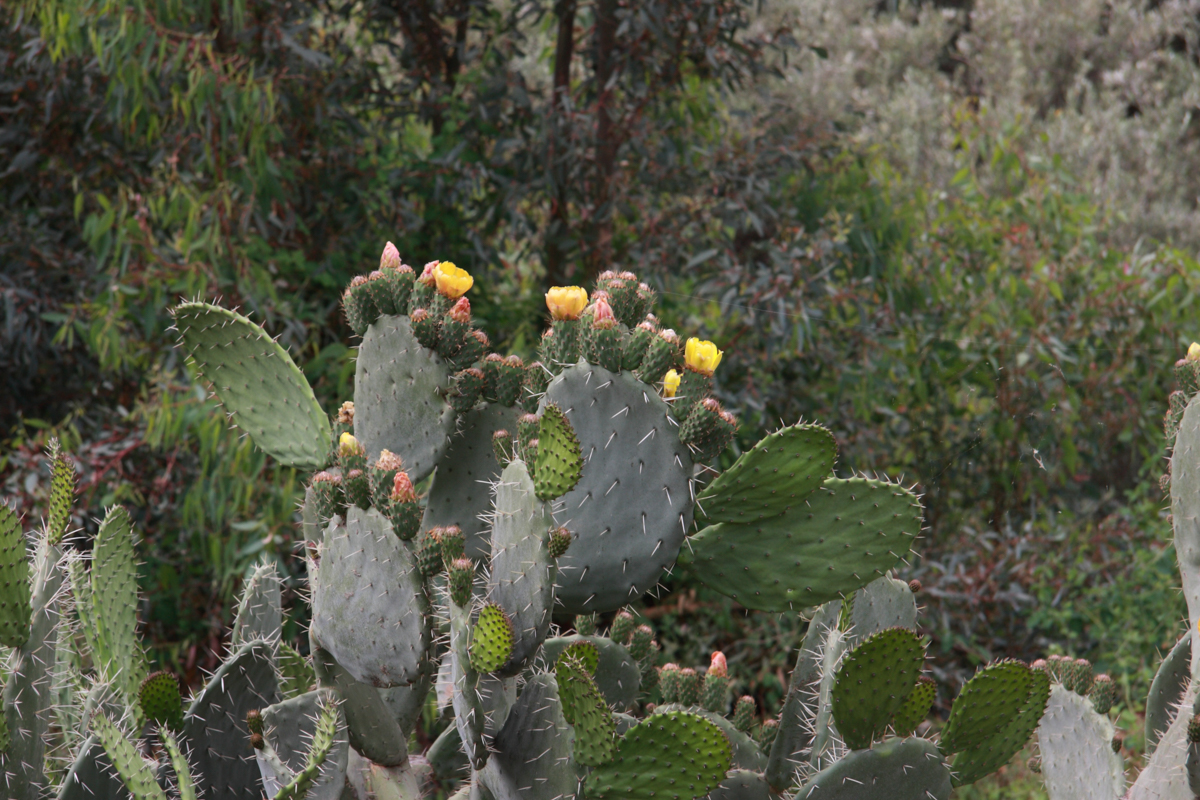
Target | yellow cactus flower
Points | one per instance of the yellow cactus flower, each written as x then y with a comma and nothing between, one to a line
348,445
1193,353
566,302
452,281
701,355
670,383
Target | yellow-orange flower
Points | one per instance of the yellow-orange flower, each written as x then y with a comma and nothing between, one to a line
348,445
701,355
566,302
452,281
670,383
1193,353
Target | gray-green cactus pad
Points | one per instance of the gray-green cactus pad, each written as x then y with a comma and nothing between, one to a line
521,578
1164,777
1166,689
461,493
369,606
617,675
260,611
1077,758
845,535
257,382
775,475
669,756
398,391
883,603
631,509
215,723
532,758
898,769
406,702
289,727
1185,513
92,776
372,729
742,784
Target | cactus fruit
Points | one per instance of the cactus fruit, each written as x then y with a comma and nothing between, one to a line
715,694
744,713
1103,693
585,624
689,687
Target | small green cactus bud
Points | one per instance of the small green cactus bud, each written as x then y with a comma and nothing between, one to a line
743,713
767,734
383,476
456,325
641,642
537,378
1103,693
1040,664
62,493
1034,765
359,305
426,328
451,541
403,510
381,293
585,624
390,259
510,379
527,427
160,699
504,447
473,348
351,454
622,627
715,695
603,339
668,683
1082,676
492,363
461,578
358,488
429,555
254,721
1055,667
664,353
689,687
634,348
328,498
708,428
560,540
529,451
466,389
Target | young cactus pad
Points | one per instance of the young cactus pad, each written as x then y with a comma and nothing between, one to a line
898,769
257,382
873,682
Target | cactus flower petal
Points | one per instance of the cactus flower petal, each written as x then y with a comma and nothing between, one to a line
701,355
670,383
566,302
451,281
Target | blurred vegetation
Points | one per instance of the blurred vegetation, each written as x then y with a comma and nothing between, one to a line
986,327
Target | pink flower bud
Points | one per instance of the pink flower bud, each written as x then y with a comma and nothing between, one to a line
718,666
461,311
602,312
427,274
402,488
390,258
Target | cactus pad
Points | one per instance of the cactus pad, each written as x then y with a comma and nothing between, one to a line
135,772
257,382
114,600
533,748
160,699
260,611
62,493
873,682
898,769
559,462
987,703
916,707
461,493
742,784
15,592
776,474
307,729
846,534
369,605
1168,686
671,756
584,710
215,723
985,758
296,675
1077,761
491,639
882,603
398,397
616,673
372,729
631,508
521,578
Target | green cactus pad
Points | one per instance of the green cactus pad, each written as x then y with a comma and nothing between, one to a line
1077,760
215,723
585,711
522,573
533,748
776,474
184,783
559,461
671,756
257,382
369,605
987,704
491,639
1168,686
260,611
898,769
873,682
616,673
881,604
631,508
742,784
983,759
916,707
305,731
160,699
586,654
845,535
114,599
296,675
398,391
461,493
62,494
15,592
446,757
745,753
371,727
135,772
